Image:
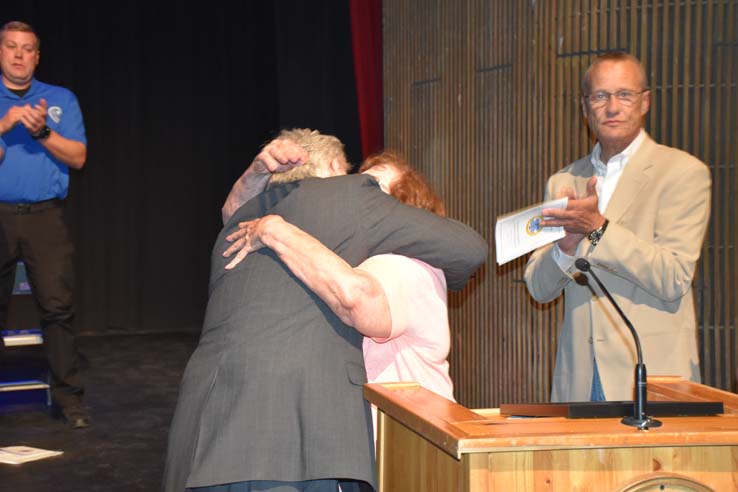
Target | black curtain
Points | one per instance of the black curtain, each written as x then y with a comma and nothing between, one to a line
177,99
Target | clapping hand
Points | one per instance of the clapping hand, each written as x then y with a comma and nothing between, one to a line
580,217
34,117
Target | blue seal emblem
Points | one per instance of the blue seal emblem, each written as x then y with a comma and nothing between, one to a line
534,226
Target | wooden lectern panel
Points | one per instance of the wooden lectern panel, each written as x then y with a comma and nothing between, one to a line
426,443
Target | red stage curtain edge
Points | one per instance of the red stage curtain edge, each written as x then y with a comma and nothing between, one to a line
366,36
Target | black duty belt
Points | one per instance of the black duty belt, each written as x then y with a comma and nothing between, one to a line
29,208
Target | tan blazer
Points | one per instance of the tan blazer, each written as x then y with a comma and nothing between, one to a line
646,259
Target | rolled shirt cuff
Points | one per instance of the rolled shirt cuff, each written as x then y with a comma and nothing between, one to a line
564,261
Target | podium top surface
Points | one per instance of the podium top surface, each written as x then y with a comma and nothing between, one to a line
459,430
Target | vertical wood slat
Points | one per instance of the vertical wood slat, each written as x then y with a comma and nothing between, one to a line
483,95
723,185
706,268
710,250
730,285
712,264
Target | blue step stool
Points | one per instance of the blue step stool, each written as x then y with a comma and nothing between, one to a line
23,372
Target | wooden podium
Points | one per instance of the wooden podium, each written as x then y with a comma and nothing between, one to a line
426,443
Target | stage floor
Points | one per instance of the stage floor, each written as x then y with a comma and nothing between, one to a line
131,393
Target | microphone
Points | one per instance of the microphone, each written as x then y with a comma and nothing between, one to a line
639,419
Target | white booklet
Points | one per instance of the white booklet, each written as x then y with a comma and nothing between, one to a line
521,232
15,455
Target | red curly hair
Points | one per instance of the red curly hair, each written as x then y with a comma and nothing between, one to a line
411,187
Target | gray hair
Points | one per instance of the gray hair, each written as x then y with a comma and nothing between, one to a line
322,150
613,56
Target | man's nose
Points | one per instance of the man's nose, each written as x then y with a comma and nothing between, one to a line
612,106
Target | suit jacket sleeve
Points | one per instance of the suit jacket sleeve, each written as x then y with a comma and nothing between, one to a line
543,277
664,265
391,227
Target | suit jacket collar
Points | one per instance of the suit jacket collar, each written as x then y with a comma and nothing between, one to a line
636,176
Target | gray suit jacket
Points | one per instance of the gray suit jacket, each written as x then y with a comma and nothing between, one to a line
274,389
658,216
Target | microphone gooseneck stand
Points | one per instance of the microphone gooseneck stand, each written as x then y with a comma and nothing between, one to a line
639,419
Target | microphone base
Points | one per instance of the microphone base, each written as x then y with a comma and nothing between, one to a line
641,423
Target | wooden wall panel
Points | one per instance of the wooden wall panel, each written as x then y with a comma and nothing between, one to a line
483,96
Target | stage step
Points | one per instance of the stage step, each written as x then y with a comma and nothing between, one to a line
31,384
21,338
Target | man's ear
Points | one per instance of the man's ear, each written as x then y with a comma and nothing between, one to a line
645,102
336,167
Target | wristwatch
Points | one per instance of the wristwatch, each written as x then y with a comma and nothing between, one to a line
595,236
42,133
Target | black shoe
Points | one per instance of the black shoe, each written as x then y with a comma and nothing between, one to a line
80,423
74,415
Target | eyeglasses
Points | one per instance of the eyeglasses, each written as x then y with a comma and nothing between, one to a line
624,97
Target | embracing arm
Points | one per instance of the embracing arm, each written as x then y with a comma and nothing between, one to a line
278,156
354,295
250,184
449,245
387,226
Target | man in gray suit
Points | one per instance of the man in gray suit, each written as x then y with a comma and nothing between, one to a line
272,397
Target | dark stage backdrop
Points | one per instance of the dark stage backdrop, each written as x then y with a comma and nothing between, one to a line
177,99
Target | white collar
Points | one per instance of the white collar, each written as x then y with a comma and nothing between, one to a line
618,161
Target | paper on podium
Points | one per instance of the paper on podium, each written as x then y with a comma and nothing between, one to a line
520,232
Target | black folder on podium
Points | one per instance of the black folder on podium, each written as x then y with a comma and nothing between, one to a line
611,409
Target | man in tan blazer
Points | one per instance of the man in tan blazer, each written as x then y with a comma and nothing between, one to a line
638,212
